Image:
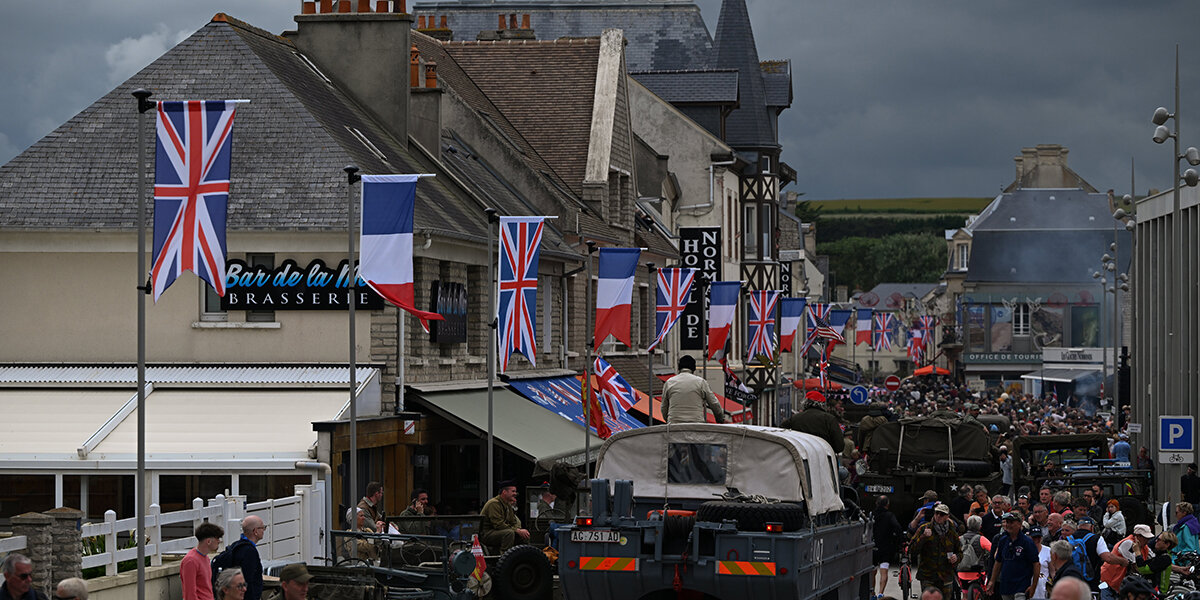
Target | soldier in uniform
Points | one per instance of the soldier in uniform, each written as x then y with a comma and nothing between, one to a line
815,419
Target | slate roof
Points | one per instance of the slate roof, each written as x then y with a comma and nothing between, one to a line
777,79
664,35
545,89
1054,209
290,144
488,183
1043,236
733,48
696,86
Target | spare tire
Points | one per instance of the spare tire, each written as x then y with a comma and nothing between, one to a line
523,573
753,517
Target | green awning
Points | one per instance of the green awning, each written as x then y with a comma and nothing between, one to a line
519,425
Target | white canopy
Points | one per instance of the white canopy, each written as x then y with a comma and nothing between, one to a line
777,463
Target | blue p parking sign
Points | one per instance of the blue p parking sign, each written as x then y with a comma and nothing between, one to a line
1176,434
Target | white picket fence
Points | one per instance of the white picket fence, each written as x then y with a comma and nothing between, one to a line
295,529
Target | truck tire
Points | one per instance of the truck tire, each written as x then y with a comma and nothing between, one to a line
523,573
753,517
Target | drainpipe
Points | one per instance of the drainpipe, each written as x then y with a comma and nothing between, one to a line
324,467
711,184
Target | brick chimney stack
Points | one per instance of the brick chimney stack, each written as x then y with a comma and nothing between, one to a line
429,26
509,29
363,52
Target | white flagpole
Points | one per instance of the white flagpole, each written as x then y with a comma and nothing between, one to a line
143,288
651,309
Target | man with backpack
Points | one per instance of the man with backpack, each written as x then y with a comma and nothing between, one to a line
1088,549
1015,562
244,554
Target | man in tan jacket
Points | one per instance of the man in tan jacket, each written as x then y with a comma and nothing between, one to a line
686,395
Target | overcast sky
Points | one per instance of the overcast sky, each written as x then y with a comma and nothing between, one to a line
893,98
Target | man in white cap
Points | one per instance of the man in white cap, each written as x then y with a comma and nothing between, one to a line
1124,554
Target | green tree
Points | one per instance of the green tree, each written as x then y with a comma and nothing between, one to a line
807,211
852,261
910,258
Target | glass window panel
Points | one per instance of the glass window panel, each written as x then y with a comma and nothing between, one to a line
702,464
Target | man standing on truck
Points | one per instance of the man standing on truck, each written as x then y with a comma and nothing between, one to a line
815,419
685,396
937,549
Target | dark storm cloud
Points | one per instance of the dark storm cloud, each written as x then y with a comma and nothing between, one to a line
892,97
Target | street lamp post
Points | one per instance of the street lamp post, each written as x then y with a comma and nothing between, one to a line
1174,282
1130,224
1100,276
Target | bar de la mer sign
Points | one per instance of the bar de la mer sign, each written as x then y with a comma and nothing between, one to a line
291,287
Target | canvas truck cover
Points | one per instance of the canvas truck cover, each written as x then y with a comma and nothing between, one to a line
923,440
702,460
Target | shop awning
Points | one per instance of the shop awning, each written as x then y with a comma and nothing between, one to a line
197,418
520,426
1061,375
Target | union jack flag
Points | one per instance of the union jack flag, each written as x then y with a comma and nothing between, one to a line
674,291
882,332
191,191
616,393
762,325
818,326
925,325
520,247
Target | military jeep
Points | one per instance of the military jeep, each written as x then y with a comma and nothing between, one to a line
719,512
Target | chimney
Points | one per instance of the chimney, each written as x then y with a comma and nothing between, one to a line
431,74
308,8
364,6
513,31
512,21
363,54
525,21
414,68
326,6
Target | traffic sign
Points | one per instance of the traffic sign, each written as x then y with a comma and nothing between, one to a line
1134,428
1176,433
892,383
858,395
1176,458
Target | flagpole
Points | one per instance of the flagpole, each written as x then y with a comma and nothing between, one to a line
587,368
704,302
400,345
492,294
352,177
778,361
143,105
651,289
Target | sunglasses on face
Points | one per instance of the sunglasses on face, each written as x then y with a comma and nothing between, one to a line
240,586
25,576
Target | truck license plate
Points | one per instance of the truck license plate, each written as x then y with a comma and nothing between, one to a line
595,535
880,489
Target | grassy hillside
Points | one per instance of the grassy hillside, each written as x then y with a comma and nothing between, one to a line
935,206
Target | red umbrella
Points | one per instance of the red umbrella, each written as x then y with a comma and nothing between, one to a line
931,370
813,383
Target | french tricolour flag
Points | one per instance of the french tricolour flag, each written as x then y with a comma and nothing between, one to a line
862,327
722,304
791,310
614,293
386,256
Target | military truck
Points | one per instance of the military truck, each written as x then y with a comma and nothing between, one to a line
1081,460
934,452
716,512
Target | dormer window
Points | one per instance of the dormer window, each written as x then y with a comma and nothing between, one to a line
964,253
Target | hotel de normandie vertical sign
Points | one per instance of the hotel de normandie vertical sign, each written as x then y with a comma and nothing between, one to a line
700,248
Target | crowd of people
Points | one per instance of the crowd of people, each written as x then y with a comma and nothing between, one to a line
1028,547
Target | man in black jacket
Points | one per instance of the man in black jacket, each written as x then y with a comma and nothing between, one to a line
1189,485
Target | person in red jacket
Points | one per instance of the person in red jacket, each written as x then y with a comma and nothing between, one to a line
195,570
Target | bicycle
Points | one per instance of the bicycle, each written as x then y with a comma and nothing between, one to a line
971,589
904,577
